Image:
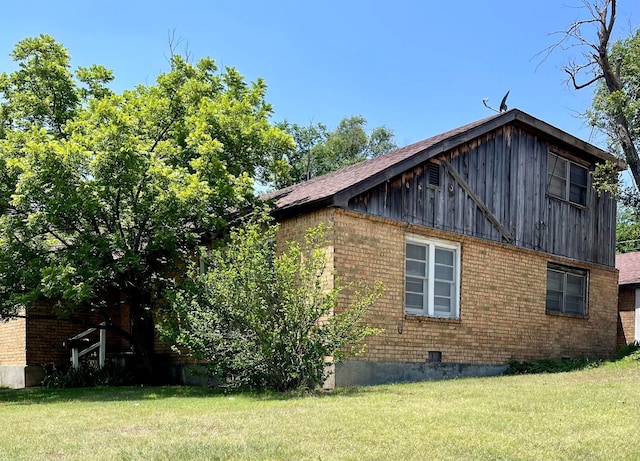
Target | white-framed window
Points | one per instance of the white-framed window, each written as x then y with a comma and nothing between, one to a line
432,277
567,180
566,289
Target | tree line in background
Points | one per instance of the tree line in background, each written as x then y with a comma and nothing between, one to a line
319,151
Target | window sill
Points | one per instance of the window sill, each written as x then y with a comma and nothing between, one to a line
428,318
565,314
564,200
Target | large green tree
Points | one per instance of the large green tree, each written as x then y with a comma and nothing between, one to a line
320,151
612,69
105,196
616,105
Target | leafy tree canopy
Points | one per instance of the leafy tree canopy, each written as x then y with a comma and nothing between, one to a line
104,196
628,230
320,151
612,69
613,109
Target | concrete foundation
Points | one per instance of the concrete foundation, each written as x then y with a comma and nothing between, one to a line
352,373
20,376
12,376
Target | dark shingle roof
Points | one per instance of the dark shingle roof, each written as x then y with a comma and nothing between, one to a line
629,266
332,188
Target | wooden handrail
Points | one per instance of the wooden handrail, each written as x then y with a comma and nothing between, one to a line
100,345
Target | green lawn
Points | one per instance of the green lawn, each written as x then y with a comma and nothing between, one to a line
591,414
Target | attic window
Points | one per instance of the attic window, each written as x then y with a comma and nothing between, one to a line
433,174
566,180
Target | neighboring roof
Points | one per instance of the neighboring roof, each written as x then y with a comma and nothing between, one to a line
629,266
335,188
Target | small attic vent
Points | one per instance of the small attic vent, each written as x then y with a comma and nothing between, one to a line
433,174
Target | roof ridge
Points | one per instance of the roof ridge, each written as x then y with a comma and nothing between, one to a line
275,195
333,188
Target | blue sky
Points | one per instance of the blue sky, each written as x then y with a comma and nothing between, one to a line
418,67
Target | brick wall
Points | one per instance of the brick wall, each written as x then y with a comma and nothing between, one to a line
295,229
502,305
45,337
626,315
13,342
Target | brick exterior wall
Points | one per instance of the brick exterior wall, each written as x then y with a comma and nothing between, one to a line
502,297
45,339
295,229
626,315
13,342
502,302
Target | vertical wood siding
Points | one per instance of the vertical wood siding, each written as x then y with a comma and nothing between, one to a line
507,170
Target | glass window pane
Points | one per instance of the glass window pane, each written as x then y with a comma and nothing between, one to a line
441,304
416,252
554,301
556,166
566,290
444,273
574,305
442,289
579,175
575,285
557,187
416,268
414,285
414,301
444,256
578,194
555,281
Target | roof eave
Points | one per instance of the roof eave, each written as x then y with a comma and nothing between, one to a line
596,153
297,209
420,157
630,284
342,197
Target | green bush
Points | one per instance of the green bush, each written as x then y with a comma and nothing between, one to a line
261,316
86,375
558,366
632,349
549,366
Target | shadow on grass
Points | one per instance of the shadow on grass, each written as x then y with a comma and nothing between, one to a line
35,396
99,394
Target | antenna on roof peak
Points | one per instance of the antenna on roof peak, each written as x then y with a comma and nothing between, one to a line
503,103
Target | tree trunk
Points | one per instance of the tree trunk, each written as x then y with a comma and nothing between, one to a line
143,335
621,129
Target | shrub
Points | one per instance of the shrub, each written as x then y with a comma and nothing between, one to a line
86,375
263,316
631,349
550,366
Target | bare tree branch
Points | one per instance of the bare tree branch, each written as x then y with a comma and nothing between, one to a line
597,67
578,86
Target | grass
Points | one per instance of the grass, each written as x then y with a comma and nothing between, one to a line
590,414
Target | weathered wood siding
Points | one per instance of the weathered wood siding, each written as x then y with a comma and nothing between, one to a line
507,171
